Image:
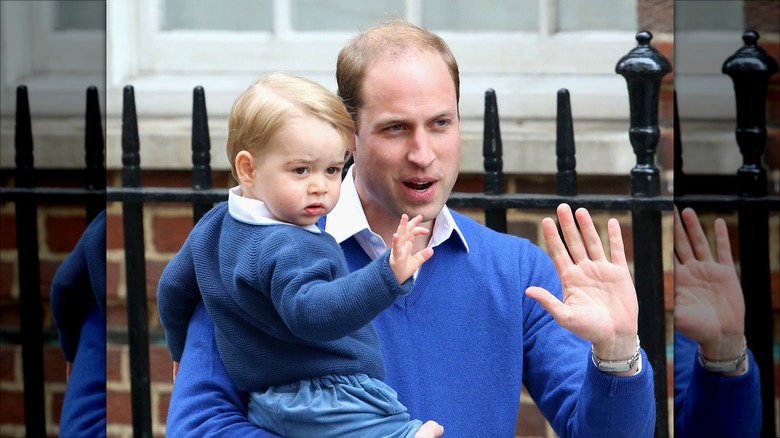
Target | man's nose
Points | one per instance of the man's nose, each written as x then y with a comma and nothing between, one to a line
421,149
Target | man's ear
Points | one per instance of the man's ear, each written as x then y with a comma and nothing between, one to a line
245,167
351,144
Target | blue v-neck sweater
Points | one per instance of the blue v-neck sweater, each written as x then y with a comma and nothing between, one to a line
457,349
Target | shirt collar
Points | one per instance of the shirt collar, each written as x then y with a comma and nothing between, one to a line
255,212
348,219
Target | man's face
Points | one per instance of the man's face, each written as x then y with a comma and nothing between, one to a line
407,151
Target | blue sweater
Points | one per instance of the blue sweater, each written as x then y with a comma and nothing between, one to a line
708,404
282,299
78,304
457,349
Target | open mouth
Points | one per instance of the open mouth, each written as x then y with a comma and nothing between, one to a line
420,186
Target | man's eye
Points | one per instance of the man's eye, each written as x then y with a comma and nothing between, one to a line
442,123
396,127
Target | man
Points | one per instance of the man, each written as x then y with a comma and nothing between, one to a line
458,347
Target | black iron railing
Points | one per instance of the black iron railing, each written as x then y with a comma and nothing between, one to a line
643,68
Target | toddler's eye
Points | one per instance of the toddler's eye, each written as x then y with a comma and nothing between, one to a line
300,170
332,170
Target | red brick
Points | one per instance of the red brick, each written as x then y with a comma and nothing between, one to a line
53,364
160,364
773,149
656,16
223,179
48,268
114,362
118,407
666,48
7,232
469,184
9,315
115,232
165,401
8,273
166,178
13,407
113,279
758,16
56,405
666,105
626,230
669,291
62,232
170,232
116,315
530,421
525,229
666,149
777,379
7,362
733,240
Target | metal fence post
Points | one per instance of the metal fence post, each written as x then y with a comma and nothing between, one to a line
201,144
137,316
750,69
492,151
643,68
94,146
29,272
566,178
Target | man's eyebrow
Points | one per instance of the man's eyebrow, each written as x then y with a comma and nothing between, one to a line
445,114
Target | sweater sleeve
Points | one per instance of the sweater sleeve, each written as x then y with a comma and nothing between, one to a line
177,295
80,284
318,299
709,404
575,397
205,401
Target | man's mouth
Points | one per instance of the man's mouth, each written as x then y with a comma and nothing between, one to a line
420,186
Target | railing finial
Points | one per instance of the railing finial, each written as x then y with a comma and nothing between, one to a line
750,68
643,68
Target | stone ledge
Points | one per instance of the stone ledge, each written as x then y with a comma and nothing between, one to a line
529,146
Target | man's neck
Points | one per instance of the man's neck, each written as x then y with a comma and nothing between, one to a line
385,224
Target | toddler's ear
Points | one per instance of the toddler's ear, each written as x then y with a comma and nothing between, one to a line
245,169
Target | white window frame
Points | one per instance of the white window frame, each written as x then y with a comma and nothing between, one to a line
157,63
64,64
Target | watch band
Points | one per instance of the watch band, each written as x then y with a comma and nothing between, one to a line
724,366
616,366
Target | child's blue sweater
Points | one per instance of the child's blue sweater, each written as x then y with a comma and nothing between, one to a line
284,304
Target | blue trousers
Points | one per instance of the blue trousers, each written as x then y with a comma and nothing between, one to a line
332,406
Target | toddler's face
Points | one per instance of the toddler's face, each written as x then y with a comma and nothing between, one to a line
298,175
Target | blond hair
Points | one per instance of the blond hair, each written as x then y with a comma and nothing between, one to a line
394,38
268,103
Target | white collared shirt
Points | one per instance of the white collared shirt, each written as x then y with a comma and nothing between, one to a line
348,219
255,212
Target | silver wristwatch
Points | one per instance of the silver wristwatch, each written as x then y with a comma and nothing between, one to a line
616,366
724,366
